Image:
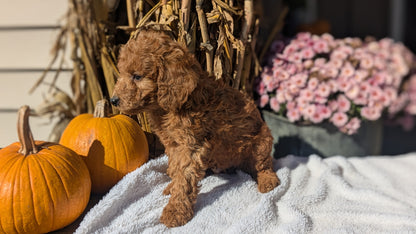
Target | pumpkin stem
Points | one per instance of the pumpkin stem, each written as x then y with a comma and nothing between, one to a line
102,109
24,133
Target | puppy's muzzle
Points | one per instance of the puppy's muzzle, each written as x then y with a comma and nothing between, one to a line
115,101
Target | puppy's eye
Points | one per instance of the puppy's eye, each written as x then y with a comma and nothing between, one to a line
136,77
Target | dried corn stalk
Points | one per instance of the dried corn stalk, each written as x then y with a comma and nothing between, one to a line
221,34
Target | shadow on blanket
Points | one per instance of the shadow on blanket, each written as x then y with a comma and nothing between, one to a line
208,196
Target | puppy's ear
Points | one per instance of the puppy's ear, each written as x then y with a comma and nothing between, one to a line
178,77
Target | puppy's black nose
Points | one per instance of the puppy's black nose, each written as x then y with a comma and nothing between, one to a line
115,101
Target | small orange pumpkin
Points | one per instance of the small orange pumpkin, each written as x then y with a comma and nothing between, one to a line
43,186
112,146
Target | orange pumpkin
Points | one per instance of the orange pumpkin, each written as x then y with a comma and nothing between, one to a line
43,186
112,146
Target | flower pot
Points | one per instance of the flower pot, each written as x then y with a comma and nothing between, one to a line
322,139
396,140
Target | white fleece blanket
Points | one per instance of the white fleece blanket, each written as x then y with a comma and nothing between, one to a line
333,195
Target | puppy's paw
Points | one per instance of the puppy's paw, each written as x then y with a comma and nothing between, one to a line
267,181
166,191
175,216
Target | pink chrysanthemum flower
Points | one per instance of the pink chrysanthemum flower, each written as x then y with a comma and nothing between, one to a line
333,105
347,70
295,57
307,53
307,94
375,93
274,104
321,46
323,90
365,87
360,75
352,126
280,97
261,89
290,49
301,102
309,111
371,113
353,92
411,108
324,111
300,79
313,83
303,36
320,100
308,64
264,100
266,78
292,68
316,117
378,79
366,62
319,62
344,104
339,119
344,84
361,99
339,55
293,115
333,85
280,74
336,63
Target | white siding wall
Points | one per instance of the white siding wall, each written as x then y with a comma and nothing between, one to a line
28,29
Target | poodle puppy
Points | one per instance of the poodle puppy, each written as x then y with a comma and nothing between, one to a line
202,122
